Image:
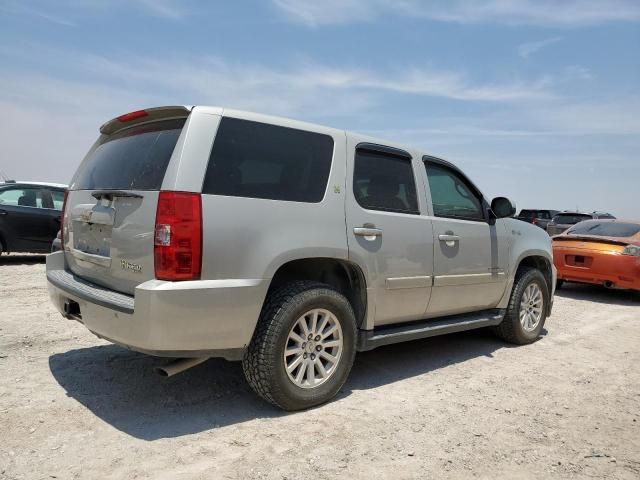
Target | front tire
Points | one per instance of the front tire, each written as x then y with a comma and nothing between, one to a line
527,310
304,346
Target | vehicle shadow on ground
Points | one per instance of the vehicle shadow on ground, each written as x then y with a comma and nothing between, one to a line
22,259
120,387
596,293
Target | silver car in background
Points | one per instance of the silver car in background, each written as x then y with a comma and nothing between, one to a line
200,232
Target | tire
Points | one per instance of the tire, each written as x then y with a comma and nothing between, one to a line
559,284
512,329
264,363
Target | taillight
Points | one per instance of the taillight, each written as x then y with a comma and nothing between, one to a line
534,221
178,236
63,217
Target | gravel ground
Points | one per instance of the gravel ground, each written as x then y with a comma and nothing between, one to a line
461,406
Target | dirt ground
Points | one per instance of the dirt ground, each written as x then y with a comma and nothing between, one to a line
461,406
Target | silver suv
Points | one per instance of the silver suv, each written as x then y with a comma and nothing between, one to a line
198,232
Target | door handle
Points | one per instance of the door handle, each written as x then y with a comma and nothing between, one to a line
4,212
367,232
449,238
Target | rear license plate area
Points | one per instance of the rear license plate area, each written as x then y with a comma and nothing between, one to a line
580,261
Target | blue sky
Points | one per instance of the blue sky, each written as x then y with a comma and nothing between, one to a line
537,100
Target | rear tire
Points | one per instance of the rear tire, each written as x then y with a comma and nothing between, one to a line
527,310
274,363
559,284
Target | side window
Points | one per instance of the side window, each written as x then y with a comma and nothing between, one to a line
21,197
58,199
384,182
258,160
451,195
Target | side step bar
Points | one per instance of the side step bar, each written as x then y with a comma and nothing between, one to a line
370,339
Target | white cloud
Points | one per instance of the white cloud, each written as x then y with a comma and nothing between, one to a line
527,49
567,13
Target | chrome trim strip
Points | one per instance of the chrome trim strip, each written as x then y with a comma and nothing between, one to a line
468,279
408,282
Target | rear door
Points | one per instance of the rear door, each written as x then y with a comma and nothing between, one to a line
470,255
24,221
112,201
386,231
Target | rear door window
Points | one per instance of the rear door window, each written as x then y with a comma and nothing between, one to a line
58,199
384,182
259,160
21,197
133,159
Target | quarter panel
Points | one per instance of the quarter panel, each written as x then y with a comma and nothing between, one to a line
252,237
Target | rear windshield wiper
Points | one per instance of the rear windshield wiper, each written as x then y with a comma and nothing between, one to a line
98,194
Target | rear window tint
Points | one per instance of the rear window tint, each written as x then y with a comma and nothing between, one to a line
570,218
384,182
134,159
528,213
606,229
258,160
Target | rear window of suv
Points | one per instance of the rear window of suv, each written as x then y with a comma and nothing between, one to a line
133,159
258,160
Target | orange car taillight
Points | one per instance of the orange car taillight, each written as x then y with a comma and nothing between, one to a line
178,236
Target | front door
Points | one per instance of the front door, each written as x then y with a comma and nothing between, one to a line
470,254
387,233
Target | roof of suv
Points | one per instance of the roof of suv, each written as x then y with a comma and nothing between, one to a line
164,112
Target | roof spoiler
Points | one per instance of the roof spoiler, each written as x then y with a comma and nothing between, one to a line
144,116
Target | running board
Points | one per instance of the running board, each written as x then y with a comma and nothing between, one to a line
370,339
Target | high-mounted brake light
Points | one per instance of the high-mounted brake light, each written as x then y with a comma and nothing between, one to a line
127,117
63,217
178,236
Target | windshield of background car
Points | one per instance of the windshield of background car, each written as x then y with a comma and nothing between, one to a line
571,218
606,229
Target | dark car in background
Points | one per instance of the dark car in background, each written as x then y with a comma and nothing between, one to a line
565,220
537,217
29,215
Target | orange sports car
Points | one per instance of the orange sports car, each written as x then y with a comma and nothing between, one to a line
602,252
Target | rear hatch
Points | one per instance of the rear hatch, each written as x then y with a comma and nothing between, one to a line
111,205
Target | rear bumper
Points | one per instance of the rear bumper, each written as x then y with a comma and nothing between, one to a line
617,271
177,319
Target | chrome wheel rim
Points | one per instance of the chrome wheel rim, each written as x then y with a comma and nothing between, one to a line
531,306
313,349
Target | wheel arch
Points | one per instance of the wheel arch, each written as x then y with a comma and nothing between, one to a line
345,276
539,262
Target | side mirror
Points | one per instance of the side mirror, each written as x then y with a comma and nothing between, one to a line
502,207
